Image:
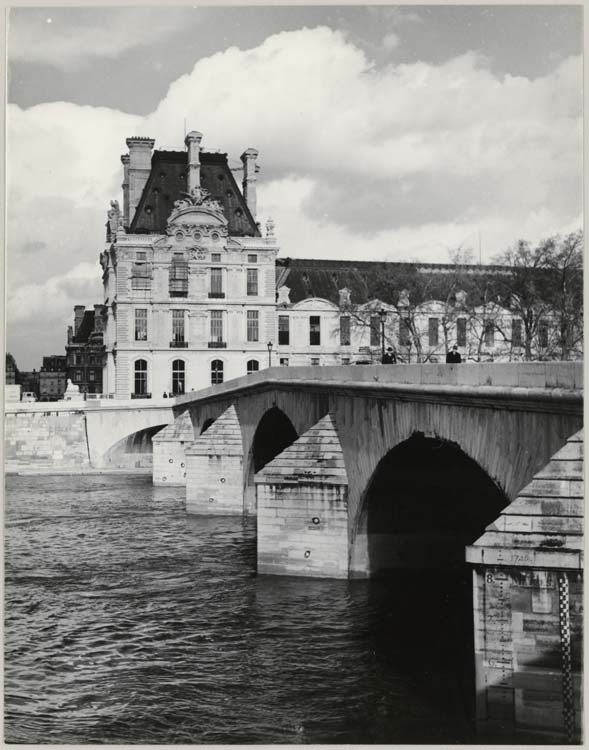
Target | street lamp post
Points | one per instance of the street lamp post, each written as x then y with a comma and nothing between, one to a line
383,314
269,345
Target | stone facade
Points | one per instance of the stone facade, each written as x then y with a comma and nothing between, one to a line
189,286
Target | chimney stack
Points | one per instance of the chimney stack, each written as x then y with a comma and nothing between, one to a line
192,142
125,186
98,310
79,311
250,170
139,168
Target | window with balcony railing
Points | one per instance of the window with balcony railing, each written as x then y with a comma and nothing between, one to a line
253,325
216,341
216,288
141,324
375,330
516,332
178,332
433,328
178,279
252,282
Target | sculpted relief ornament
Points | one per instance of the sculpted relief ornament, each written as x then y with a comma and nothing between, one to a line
115,221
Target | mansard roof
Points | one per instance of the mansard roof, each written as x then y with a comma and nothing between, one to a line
383,280
168,179
85,329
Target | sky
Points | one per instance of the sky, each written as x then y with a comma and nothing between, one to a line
385,132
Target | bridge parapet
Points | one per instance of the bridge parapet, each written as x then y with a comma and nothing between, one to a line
503,377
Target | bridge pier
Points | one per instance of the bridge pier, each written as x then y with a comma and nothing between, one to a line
303,507
169,451
528,603
214,469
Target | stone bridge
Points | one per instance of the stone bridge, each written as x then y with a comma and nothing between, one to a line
362,471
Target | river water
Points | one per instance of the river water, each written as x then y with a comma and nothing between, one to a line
128,621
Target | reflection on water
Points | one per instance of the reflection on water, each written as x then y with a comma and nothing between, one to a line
129,621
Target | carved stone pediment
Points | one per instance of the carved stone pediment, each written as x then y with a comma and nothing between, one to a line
200,211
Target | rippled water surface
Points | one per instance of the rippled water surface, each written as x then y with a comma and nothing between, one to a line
128,621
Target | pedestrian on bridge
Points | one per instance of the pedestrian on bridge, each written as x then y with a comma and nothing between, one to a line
389,357
453,357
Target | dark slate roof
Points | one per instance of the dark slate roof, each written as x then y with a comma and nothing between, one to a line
168,179
370,280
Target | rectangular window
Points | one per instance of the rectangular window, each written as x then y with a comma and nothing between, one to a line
345,360
178,279
141,271
404,333
283,330
141,324
178,326
314,360
215,257
489,333
91,375
374,330
252,258
516,332
284,361
315,330
216,326
344,330
543,334
433,331
79,375
252,282
461,331
253,325
216,290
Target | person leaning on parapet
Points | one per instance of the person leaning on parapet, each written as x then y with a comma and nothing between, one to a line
453,357
389,357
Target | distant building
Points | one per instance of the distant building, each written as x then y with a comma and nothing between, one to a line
11,372
189,282
52,378
30,382
195,295
85,349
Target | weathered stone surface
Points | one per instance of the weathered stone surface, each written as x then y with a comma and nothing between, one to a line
302,507
214,469
169,446
528,608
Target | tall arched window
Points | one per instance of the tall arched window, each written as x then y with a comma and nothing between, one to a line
140,378
252,366
178,377
216,372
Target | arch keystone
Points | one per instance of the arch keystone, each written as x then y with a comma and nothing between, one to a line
169,451
303,507
214,468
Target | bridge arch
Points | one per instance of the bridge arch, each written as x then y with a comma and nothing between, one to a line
134,451
425,501
273,434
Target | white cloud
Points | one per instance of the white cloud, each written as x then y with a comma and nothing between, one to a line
400,162
62,38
